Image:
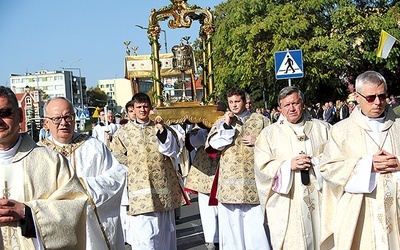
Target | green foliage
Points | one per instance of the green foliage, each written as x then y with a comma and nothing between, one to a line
339,40
96,97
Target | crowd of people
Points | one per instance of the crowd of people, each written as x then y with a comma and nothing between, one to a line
296,177
329,112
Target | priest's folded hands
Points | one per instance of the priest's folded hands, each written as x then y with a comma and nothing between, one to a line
11,211
301,162
384,162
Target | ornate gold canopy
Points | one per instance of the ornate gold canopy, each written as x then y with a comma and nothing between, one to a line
180,14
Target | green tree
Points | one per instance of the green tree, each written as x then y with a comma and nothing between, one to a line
96,97
339,40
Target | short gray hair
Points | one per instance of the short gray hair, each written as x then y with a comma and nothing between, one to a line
248,97
370,77
288,91
56,98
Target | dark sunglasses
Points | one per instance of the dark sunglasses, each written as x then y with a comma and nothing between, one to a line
371,98
5,113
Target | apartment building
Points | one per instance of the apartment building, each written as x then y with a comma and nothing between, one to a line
52,83
119,92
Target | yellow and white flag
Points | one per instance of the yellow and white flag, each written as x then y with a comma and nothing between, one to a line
386,42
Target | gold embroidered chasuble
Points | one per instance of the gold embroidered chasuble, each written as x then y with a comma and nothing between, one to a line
202,172
66,150
103,179
153,184
56,199
361,220
293,218
236,183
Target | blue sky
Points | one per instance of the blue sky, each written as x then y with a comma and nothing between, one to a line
52,34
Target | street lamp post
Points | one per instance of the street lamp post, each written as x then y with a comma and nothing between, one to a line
80,85
165,36
70,76
82,123
40,111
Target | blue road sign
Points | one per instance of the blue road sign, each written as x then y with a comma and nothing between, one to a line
288,64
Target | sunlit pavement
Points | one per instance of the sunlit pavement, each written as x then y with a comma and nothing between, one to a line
189,231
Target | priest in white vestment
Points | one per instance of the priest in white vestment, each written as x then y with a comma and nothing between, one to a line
361,166
289,184
100,173
42,204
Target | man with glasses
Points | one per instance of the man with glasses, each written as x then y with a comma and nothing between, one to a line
360,164
42,204
100,173
289,184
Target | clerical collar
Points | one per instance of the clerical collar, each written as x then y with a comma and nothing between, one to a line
298,124
142,124
375,124
7,155
298,129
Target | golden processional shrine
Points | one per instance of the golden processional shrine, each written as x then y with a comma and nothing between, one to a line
179,63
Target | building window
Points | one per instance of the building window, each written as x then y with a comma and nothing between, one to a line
28,101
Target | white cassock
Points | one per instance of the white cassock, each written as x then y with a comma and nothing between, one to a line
99,132
103,177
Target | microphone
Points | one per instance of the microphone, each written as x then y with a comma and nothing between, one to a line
304,174
305,177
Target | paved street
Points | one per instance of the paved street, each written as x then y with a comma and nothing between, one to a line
189,231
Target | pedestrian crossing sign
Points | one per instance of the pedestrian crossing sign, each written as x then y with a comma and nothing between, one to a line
83,115
288,64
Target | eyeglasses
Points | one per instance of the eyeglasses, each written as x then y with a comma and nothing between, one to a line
7,112
57,120
371,98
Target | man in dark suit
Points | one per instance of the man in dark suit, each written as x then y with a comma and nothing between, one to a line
344,110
